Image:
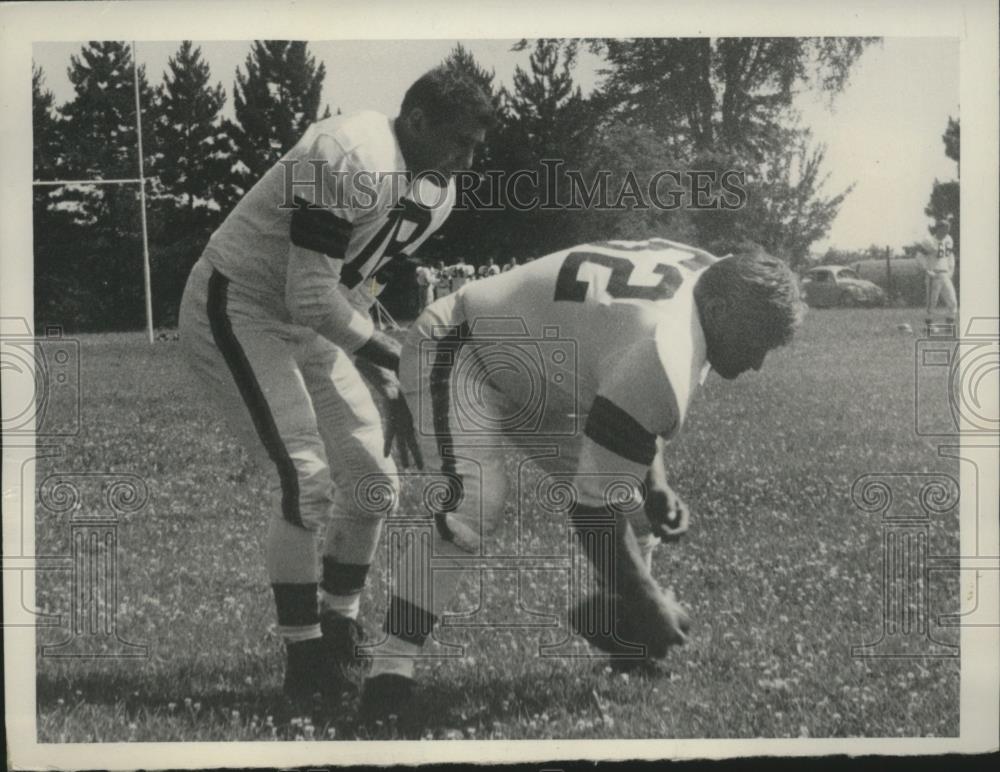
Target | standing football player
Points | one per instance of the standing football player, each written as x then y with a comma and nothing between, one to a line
642,323
275,322
939,266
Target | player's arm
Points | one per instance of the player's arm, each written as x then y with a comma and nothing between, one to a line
320,234
651,616
667,513
320,228
926,255
617,453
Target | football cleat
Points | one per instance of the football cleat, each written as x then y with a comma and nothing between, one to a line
342,636
385,698
310,674
322,668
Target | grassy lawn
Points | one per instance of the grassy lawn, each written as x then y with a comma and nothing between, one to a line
781,572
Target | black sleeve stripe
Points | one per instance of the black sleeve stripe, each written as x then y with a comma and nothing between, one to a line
319,230
614,429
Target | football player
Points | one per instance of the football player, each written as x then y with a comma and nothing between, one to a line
275,323
625,332
938,260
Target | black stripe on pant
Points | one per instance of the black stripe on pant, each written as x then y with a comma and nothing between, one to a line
253,396
449,346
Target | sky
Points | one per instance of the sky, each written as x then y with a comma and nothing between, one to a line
882,133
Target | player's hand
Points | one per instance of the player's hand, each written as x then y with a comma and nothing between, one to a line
397,419
655,618
381,351
399,430
667,513
650,617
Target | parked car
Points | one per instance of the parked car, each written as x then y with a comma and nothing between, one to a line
838,285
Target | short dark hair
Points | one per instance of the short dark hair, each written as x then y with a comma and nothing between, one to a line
446,94
761,289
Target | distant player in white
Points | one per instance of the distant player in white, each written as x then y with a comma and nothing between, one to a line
643,322
425,283
276,316
938,260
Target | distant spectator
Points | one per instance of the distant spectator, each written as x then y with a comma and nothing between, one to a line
425,285
510,265
458,275
490,269
442,281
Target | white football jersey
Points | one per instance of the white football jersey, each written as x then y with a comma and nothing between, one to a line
943,258
309,237
623,316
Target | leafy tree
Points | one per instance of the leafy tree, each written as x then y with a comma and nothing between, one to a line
708,94
618,154
727,103
952,139
945,200
275,100
787,208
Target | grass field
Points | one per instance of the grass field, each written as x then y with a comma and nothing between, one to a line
781,572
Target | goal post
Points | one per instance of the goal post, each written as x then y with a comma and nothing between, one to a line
141,182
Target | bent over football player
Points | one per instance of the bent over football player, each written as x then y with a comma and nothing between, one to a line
643,321
275,323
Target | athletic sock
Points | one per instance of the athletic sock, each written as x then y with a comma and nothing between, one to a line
298,611
407,626
395,656
345,605
340,589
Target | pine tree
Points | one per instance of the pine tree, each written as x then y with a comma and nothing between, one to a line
45,128
194,150
546,110
57,297
99,130
275,100
546,122
195,182
469,233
